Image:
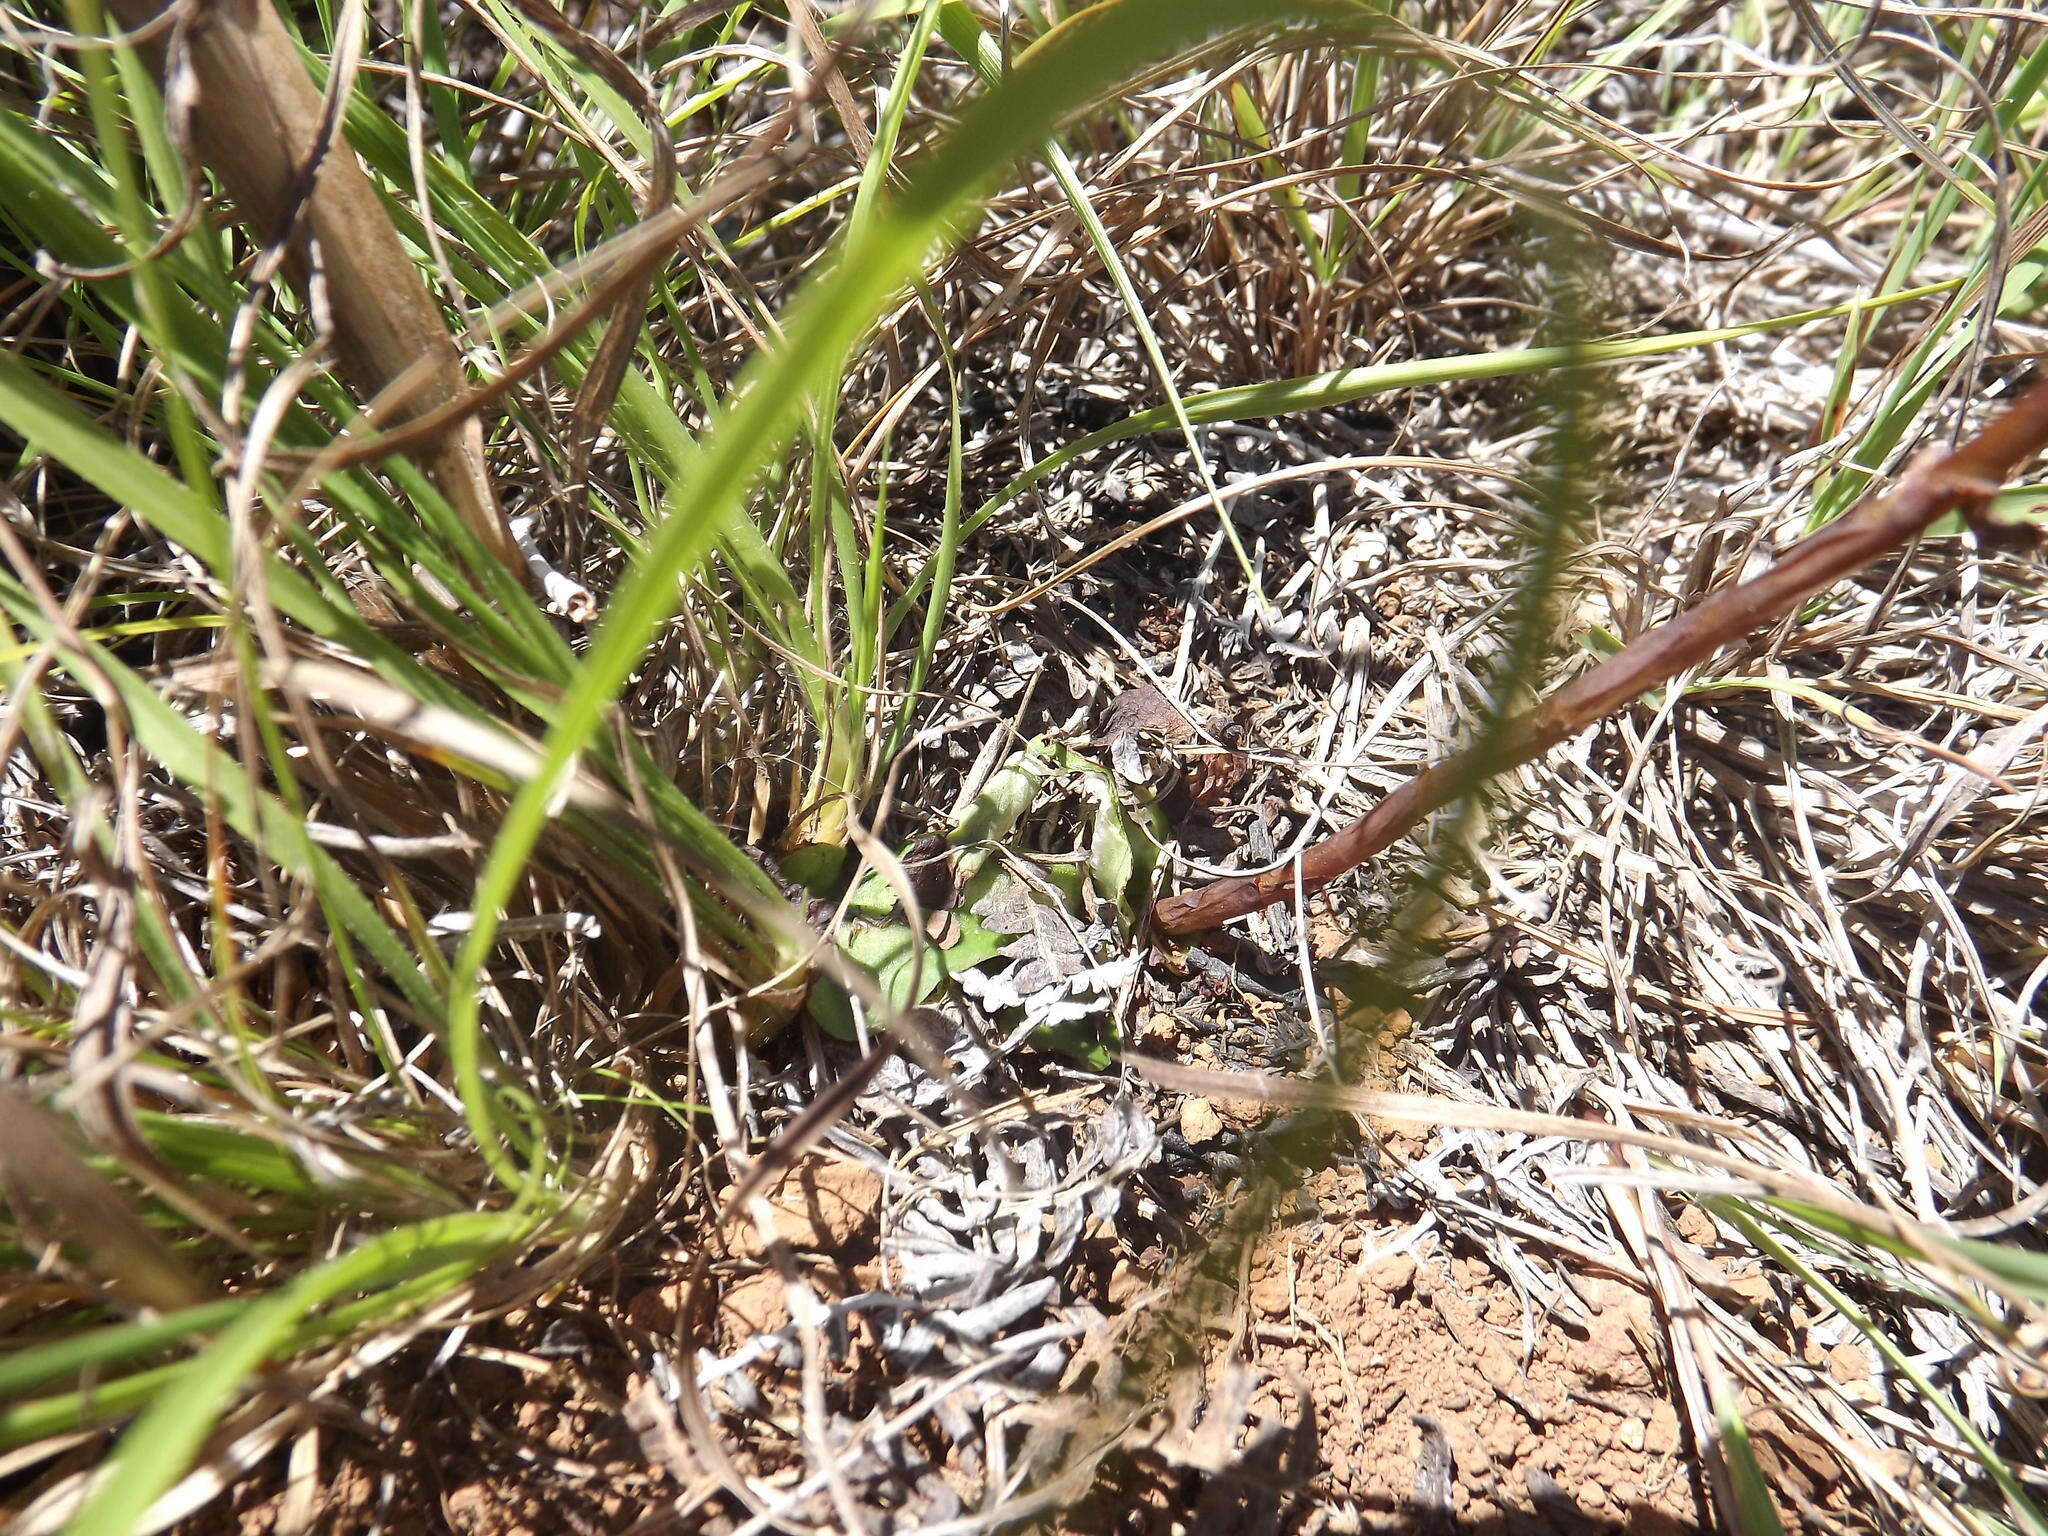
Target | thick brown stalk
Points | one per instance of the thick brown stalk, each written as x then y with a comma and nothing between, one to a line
259,123
1935,485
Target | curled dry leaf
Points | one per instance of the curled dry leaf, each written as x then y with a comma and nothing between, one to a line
1056,975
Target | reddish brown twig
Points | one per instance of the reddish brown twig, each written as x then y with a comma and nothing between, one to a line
1963,480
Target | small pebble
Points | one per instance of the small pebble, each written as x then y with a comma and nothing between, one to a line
1271,1296
1847,1363
1199,1122
1661,1434
1391,1276
1126,1284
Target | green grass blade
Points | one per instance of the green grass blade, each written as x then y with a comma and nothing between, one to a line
1076,63
975,45
1754,1514
1325,391
200,763
1930,1392
101,1347
159,1446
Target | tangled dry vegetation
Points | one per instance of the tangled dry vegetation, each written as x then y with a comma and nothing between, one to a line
520,527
